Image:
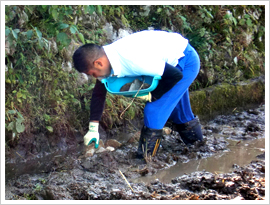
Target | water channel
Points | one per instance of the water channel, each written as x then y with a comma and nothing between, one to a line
240,153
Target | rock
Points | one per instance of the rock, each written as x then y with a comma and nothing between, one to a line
111,149
112,143
116,190
89,147
110,33
134,138
238,198
261,156
90,153
67,66
124,32
101,144
229,184
166,131
169,159
82,78
100,150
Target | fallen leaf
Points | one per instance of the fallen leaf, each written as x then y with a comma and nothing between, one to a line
194,197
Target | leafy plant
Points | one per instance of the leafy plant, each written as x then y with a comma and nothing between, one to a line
15,124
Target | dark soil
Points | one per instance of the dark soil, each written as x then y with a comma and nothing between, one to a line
72,174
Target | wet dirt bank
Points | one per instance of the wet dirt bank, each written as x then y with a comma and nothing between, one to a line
76,175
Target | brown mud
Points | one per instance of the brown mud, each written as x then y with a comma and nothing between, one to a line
73,175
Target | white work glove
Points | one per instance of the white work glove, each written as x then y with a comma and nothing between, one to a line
92,134
147,97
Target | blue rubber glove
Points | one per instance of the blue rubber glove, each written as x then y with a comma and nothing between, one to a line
92,135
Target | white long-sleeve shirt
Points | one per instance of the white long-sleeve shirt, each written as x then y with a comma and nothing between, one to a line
145,52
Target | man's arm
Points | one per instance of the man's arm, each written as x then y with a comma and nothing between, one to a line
96,109
170,77
97,101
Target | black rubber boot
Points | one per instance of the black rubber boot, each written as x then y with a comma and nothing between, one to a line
149,142
190,132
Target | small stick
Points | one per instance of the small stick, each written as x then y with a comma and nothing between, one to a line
19,155
126,181
131,101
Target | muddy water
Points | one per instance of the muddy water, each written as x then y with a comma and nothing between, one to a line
239,154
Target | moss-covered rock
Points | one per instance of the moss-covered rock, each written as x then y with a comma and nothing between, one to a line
220,99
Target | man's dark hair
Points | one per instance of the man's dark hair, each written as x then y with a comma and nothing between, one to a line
85,56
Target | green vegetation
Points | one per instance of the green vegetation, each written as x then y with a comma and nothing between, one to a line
229,39
41,89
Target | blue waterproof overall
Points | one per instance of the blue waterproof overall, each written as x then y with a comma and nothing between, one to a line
175,104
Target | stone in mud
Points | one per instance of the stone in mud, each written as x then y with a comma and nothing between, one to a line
143,171
261,156
101,149
169,159
90,152
111,149
238,198
90,149
134,138
112,143
131,140
166,131
92,146
101,144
